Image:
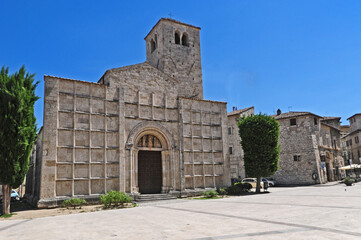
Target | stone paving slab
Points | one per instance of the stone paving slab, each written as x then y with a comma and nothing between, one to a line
331,212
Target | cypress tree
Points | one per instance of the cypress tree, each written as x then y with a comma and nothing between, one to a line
17,128
259,139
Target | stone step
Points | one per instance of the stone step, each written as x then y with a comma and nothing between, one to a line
165,197
153,197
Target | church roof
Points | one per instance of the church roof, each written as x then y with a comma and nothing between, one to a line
137,65
173,21
239,111
70,79
202,100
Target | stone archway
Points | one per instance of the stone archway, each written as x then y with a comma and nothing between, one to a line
149,172
146,143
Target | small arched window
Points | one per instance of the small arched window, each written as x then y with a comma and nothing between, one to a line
185,40
176,38
153,45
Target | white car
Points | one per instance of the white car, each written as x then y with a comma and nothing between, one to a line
253,182
271,183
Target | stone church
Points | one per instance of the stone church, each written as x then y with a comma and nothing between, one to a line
141,129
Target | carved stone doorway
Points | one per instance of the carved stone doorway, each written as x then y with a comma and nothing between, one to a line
150,172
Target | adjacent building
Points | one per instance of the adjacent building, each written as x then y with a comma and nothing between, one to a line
235,150
351,140
310,149
141,129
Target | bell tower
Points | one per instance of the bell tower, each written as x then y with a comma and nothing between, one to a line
174,48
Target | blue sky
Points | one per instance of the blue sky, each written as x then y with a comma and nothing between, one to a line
293,55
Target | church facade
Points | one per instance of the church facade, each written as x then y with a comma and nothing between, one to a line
141,129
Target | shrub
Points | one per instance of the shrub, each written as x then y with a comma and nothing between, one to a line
74,202
244,186
222,191
115,198
348,181
210,194
239,188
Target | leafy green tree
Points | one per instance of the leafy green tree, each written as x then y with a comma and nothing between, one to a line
259,139
17,128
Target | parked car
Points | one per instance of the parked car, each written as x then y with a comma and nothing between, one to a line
14,195
253,182
271,182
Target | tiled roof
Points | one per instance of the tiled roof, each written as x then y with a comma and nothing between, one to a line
239,111
329,125
331,118
354,115
355,131
293,114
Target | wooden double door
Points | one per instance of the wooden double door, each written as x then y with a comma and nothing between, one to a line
149,172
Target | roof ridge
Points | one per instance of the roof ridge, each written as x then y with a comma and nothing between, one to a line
239,111
171,20
70,79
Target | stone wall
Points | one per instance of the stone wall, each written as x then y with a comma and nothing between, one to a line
353,140
91,130
355,122
299,140
176,60
330,152
353,149
32,188
203,126
88,140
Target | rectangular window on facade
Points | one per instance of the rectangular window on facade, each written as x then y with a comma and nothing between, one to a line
230,150
293,121
350,142
229,130
315,121
297,158
356,139
334,144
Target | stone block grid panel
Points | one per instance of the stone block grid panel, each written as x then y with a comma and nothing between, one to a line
150,106
202,143
88,140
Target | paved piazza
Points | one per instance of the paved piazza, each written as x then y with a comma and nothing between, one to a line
316,212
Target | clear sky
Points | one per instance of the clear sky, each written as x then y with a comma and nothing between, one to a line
293,55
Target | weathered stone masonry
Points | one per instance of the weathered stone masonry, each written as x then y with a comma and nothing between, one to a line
94,133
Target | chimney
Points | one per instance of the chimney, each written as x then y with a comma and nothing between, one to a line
234,108
279,111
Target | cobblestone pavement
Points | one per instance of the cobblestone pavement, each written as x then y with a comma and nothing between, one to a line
316,212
